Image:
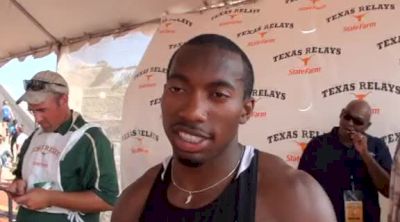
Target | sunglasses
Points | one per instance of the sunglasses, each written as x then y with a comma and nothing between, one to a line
37,85
357,121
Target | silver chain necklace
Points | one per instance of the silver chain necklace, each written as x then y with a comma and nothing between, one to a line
191,192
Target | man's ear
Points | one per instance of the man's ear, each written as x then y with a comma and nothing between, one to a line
63,100
247,111
368,125
342,113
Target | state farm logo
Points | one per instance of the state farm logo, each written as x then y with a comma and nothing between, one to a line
166,28
259,94
233,16
360,16
147,76
359,24
301,145
298,138
138,146
363,96
262,34
306,65
167,25
391,138
257,113
295,157
175,45
307,5
388,42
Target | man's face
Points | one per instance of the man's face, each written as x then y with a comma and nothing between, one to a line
49,114
202,103
354,119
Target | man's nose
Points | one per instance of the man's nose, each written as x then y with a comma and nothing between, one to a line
195,109
37,116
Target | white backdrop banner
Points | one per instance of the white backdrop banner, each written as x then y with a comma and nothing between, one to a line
310,59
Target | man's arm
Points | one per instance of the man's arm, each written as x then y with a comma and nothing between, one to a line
292,195
380,176
313,202
85,202
134,196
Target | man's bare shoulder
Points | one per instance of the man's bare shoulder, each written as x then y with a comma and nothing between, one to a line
134,196
288,194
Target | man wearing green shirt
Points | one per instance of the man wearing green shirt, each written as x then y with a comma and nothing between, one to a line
66,171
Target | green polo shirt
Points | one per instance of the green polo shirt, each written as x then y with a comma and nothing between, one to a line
89,165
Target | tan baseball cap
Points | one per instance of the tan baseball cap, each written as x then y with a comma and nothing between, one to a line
42,85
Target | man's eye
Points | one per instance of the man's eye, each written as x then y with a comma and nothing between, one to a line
175,89
220,95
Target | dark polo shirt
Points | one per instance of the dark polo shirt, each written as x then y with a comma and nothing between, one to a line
332,164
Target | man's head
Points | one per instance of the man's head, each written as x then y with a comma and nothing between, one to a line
222,42
47,97
355,117
206,96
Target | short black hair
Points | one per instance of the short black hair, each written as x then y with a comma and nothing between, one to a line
227,44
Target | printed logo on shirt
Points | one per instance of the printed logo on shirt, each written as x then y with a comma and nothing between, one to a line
45,149
308,5
233,16
263,34
360,16
306,65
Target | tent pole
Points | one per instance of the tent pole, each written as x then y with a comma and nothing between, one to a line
34,21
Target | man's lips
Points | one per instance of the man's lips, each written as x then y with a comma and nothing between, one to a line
190,133
190,139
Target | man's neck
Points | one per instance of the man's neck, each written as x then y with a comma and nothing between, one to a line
209,172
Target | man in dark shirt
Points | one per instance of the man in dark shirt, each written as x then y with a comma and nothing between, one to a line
348,159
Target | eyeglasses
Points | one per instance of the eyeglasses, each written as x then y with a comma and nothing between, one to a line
357,121
37,85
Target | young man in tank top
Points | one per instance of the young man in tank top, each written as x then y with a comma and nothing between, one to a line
211,176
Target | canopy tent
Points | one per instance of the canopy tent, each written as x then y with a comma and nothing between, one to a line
40,27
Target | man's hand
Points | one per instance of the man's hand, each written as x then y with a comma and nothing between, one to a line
17,187
359,142
35,199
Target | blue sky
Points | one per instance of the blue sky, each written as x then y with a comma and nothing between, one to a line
120,52
14,72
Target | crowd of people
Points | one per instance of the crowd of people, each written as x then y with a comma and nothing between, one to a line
12,136
66,170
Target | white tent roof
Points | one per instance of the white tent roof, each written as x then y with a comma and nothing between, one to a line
40,26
